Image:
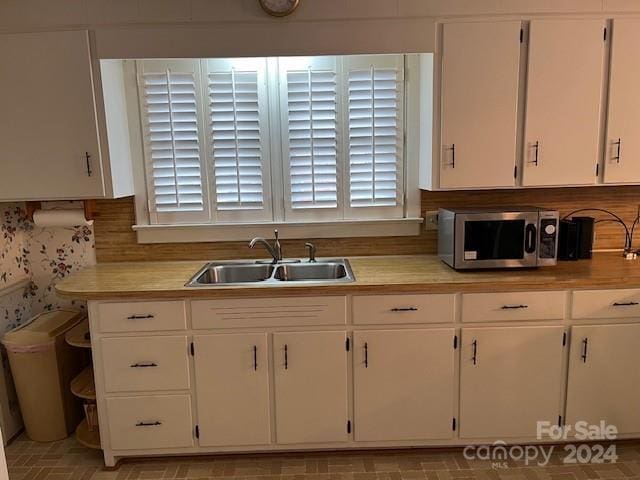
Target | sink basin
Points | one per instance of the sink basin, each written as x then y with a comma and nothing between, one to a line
259,273
214,274
300,272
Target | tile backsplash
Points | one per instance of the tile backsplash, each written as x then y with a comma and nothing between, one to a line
43,256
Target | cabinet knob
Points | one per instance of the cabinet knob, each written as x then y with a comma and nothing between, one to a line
286,357
625,304
139,317
474,348
255,357
87,158
452,149
148,424
583,355
144,365
536,153
366,355
618,145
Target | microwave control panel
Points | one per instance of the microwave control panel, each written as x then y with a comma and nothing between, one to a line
548,238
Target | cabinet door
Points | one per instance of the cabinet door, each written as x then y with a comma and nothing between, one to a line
480,72
510,380
311,387
232,389
604,379
564,95
622,151
403,382
48,117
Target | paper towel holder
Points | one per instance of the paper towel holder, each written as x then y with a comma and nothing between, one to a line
88,205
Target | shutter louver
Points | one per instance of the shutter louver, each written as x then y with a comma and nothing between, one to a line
374,137
172,141
236,139
312,129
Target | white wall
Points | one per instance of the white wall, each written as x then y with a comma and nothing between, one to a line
136,28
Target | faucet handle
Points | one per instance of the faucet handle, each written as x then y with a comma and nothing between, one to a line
275,234
312,251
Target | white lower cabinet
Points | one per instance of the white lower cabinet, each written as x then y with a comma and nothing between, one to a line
261,387
511,378
403,384
232,389
310,376
150,422
604,378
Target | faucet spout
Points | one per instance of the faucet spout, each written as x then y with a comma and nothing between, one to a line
274,250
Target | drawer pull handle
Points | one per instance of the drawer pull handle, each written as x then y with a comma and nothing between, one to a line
474,346
514,307
404,309
625,304
366,355
255,357
144,365
148,424
139,317
583,355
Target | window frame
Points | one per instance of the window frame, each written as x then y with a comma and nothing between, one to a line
418,78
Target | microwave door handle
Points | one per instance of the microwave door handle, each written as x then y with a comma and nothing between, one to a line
530,238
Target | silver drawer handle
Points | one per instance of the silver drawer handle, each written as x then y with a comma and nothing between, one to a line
514,307
148,424
405,309
139,317
144,365
625,304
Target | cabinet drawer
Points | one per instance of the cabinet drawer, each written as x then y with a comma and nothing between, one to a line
390,309
623,303
496,307
269,312
145,363
149,422
141,316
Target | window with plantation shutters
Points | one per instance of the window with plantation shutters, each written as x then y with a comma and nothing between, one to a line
375,123
169,99
262,141
309,90
238,129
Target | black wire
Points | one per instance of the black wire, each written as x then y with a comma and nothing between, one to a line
627,243
633,227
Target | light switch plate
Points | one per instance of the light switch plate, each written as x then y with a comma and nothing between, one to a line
431,220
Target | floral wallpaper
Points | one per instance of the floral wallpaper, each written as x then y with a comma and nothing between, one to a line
42,255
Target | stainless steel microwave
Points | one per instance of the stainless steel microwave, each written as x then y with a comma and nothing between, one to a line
497,237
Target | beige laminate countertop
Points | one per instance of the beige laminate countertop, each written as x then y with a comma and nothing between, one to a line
374,275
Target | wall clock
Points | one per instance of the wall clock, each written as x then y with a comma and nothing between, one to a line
279,8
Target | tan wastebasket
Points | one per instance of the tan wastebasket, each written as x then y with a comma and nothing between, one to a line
43,366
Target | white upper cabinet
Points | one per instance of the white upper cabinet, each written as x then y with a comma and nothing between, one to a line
52,118
622,148
564,96
480,76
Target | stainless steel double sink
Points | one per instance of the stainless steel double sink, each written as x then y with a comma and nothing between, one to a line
259,273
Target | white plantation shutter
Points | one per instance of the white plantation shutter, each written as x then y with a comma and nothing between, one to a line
375,140
239,138
169,104
309,103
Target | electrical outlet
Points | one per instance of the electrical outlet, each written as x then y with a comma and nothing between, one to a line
431,221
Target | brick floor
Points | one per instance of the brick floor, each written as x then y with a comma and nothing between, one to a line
67,460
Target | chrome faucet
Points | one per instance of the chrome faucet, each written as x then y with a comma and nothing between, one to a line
312,251
274,250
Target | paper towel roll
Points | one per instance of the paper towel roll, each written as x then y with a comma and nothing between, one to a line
60,218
